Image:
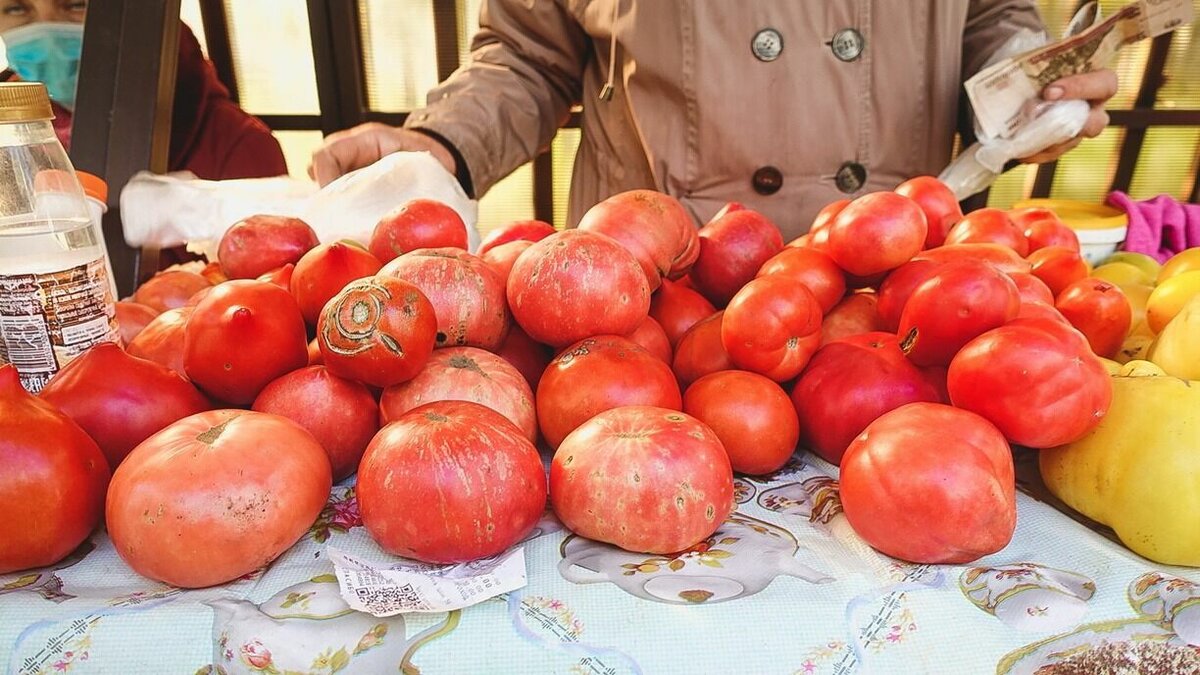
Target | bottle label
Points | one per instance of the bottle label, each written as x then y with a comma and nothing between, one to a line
48,319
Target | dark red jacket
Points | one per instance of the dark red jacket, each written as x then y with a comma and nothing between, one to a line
210,135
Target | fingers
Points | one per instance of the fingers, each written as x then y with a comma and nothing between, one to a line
1096,122
345,151
1096,86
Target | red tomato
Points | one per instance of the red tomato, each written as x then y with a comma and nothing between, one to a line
526,355
200,295
1100,311
961,301
502,258
858,313
937,202
518,230
339,413
700,351
750,414
473,485
467,296
646,479
259,244
653,339
324,271
677,308
280,276
132,318
465,374
989,226
898,286
379,331
120,412
848,384
1031,288
242,336
803,241
1035,379
575,284
240,486
654,227
813,269
161,341
53,482
599,374
169,290
212,272
1058,267
729,207
930,484
826,216
1001,257
732,249
419,223
1043,228
936,377
876,233
1041,310
772,327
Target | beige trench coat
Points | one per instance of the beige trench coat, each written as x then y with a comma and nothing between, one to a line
772,103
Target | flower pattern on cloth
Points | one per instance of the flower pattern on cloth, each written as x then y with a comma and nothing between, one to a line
339,515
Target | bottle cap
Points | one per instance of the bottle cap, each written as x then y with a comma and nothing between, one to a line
24,102
93,186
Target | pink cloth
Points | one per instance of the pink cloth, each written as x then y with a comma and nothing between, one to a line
1159,227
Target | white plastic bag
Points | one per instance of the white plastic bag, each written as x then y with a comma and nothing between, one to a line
172,210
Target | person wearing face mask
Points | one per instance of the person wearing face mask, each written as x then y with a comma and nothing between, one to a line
210,135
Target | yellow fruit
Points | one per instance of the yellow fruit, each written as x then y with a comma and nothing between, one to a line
1139,260
1184,261
1113,367
1122,274
1138,295
1136,346
1139,470
1177,348
1169,297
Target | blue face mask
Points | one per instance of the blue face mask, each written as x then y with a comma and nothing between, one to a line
47,52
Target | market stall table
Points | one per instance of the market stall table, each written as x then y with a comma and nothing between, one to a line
750,599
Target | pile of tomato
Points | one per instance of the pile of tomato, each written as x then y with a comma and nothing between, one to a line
899,339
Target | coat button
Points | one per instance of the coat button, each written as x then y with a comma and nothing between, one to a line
850,177
767,44
767,180
847,44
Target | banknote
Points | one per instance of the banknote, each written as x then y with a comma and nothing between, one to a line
1003,94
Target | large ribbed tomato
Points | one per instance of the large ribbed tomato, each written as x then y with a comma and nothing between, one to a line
121,400
772,327
875,233
646,479
813,269
654,227
379,331
52,480
851,382
324,271
465,374
339,413
1035,379
575,284
466,294
677,308
449,482
215,496
242,335
929,483
937,202
961,301
598,374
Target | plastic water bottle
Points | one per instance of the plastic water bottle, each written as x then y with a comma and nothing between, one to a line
56,297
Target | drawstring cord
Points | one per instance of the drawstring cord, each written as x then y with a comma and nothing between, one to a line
606,92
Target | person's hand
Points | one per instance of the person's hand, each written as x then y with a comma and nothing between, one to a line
345,151
1096,88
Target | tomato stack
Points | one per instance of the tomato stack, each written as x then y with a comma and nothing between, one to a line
898,339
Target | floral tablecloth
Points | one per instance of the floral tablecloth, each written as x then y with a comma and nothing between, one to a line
785,586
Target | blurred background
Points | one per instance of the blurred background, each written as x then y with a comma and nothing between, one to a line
402,48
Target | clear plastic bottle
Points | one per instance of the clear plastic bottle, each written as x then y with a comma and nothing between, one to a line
56,297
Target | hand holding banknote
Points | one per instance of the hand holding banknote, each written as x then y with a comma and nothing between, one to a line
1095,87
